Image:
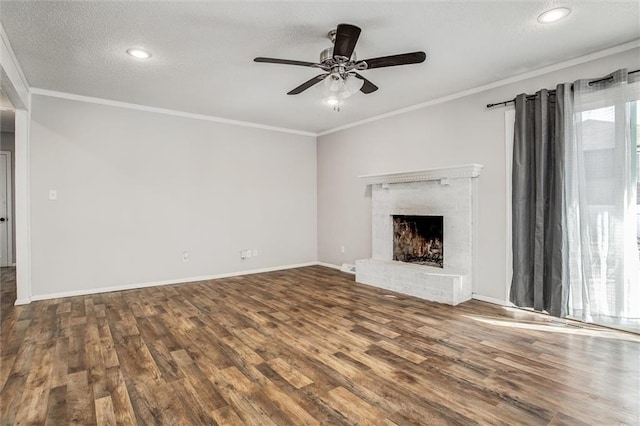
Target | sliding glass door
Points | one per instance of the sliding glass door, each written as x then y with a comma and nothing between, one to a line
604,207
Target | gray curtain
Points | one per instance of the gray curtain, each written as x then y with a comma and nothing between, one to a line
538,182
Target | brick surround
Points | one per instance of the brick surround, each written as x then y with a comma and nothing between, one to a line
449,192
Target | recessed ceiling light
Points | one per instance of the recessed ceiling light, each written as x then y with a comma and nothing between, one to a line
138,53
553,15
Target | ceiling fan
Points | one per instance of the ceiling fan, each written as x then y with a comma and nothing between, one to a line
341,66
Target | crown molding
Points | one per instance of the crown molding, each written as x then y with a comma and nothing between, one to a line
531,74
175,113
453,172
18,90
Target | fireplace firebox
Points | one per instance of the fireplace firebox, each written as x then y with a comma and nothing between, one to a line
419,240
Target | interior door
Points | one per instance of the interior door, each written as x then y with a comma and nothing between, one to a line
5,168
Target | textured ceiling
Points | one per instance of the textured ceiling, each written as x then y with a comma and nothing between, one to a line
203,51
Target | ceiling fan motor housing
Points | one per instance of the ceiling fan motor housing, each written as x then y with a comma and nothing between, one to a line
326,55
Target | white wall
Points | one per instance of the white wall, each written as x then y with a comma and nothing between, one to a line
135,189
458,132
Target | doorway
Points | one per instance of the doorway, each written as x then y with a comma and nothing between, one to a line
6,208
7,202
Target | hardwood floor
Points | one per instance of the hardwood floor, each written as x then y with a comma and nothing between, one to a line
304,346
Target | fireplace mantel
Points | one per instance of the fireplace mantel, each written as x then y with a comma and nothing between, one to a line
453,172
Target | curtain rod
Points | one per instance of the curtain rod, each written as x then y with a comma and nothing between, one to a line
505,103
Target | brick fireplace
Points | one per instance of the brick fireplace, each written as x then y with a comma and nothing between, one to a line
449,192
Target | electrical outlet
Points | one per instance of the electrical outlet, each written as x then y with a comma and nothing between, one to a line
53,194
185,256
342,249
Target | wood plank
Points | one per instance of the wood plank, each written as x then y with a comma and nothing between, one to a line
80,405
120,399
57,405
289,373
33,406
104,411
352,407
226,416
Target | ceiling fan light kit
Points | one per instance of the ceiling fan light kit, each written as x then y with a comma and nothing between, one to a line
337,88
340,65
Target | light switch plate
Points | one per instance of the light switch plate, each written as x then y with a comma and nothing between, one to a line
53,194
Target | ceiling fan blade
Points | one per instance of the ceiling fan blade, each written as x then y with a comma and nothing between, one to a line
304,86
367,87
284,62
346,39
393,60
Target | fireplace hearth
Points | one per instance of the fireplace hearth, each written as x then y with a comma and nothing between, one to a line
419,240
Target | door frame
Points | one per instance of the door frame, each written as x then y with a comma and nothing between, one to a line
9,216
16,87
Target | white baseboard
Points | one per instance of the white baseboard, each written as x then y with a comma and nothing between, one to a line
187,280
328,265
84,292
491,300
